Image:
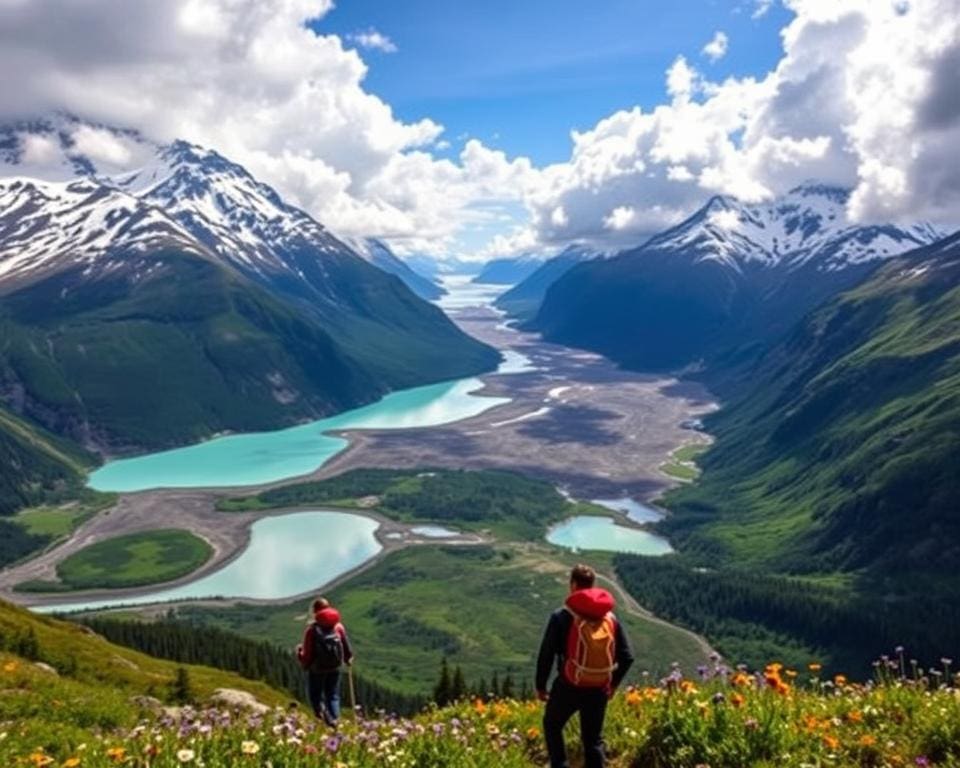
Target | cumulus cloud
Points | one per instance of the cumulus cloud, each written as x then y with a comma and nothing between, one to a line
255,82
716,49
372,39
866,95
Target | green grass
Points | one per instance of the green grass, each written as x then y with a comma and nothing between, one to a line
508,505
680,471
135,560
89,715
57,522
482,607
689,452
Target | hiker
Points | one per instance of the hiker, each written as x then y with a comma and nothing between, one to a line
593,656
324,650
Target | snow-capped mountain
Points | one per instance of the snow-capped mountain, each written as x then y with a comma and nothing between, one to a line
179,194
45,225
723,282
212,302
807,225
378,253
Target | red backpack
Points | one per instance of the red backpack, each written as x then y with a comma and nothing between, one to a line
591,651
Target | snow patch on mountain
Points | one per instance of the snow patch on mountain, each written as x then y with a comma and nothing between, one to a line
808,224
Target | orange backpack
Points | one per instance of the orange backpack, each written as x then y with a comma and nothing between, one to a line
591,651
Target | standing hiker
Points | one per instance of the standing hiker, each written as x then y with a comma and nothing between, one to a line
324,650
593,656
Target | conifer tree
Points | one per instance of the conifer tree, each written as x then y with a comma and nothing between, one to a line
182,691
442,691
458,688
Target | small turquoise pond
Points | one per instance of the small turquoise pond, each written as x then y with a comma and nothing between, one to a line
603,533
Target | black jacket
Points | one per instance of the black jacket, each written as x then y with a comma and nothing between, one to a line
554,647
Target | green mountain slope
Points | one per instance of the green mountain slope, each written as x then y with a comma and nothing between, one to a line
843,459
186,347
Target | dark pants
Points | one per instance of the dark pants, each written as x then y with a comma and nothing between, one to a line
323,692
564,701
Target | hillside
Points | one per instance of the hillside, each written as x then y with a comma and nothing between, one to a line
378,253
96,704
509,270
37,467
523,300
155,306
841,462
721,284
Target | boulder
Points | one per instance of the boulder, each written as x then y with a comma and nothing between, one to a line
232,698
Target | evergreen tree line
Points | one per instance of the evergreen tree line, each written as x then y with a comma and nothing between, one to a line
252,659
451,686
749,612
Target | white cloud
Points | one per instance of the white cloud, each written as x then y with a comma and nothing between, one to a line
253,81
620,218
39,149
716,49
865,95
101,146
761,7
374,40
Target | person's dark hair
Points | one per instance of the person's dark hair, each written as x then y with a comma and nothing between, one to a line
582,576
320,603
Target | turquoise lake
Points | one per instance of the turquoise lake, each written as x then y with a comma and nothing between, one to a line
265,457
288,555
603,533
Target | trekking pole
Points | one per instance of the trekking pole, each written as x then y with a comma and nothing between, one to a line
353,694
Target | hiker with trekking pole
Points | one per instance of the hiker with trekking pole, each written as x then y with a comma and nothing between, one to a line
322,654
593,655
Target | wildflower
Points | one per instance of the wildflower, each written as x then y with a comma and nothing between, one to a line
186,755
633,697
71,762
855,716
867,740
922,760
533,733
116,754
831,742
10,666
40,759
479,707
249,747
814,667
840,680
737,699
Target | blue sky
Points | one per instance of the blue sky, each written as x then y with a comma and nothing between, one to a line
521,74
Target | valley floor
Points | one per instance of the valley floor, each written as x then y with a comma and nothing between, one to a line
574,420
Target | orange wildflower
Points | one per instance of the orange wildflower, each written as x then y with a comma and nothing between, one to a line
831,742
39,759
116,754
737,699
867,740
840,679
855,716
533,733
479,707
633,697
71,762
740,679
814,667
